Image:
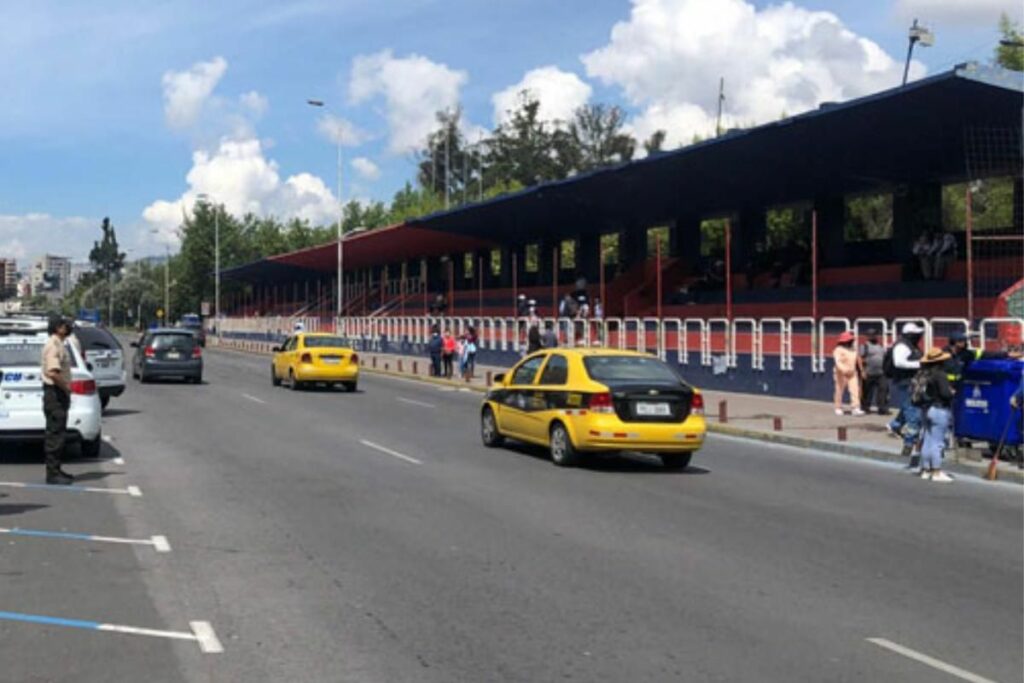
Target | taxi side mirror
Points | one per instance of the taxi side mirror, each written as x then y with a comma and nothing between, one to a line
499,378
277,349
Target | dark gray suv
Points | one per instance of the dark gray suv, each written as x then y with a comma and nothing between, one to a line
169,352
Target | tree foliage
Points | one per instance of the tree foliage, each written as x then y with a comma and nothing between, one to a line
1010,50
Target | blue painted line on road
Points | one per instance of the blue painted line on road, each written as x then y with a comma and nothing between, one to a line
49,534
50,621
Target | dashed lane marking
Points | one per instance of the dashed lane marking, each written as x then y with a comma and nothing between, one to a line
201,632
414,402
388,451
159,543
254,399
133,491
929,661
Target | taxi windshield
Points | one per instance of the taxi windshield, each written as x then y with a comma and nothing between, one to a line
629,369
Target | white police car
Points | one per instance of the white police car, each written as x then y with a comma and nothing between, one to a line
21,388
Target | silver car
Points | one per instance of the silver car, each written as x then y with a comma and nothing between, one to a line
104,357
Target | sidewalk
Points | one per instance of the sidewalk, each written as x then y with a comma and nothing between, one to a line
804,424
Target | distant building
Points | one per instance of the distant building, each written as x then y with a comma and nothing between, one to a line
77,271
8,278
51,277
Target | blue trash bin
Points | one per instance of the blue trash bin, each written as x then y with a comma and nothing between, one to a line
982,409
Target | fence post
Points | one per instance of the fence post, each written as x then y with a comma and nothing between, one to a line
723,411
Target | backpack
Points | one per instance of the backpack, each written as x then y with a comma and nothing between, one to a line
919,389
888,366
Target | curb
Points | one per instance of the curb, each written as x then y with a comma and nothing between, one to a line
1014,475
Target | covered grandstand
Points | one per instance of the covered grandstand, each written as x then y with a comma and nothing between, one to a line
907,145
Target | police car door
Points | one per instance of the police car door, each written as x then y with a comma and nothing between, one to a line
21,385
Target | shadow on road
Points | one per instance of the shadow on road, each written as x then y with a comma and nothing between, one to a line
93,476
19,508
621,463
119,412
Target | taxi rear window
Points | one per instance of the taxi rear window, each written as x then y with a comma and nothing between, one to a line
628,369
324,342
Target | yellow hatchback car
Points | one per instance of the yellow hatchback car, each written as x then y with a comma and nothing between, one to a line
315,358
575,401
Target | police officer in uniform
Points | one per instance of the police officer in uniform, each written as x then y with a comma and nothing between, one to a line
56,399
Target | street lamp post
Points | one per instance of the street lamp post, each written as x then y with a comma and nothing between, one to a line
341,211
917,34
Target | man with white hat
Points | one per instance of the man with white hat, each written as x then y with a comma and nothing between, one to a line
905,362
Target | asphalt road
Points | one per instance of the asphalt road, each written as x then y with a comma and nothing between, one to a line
370,537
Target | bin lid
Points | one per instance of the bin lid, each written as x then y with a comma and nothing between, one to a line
1007,367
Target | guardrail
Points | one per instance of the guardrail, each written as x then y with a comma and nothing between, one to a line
717,342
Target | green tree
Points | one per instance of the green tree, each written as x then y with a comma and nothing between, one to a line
522,149
446,160
1010,51
106,259
656,142
594,139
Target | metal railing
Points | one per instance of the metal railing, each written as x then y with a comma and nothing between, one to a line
717,342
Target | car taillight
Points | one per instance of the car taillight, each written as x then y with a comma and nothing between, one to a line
306,358
697,405
149,352
197,352
83,387
601,403
354,358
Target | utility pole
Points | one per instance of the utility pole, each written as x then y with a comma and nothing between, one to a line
447,159
721,101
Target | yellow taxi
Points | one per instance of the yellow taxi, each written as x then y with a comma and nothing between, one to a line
578,401
315,358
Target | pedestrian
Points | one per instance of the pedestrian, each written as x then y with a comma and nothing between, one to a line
945,252
549,339
846,373
448,353
875,387
56,367
435,347
469,350
533,342
522,306
902,362
933,395
922,251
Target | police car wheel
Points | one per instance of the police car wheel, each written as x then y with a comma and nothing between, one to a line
489,433
676,461
563,453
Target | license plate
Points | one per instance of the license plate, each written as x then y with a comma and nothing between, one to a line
651,409
331,361
173,355
103,363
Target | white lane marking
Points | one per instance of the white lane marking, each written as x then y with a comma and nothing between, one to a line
118,461
159,543
208,640
414,402
131,490
254,399
390,452
930,661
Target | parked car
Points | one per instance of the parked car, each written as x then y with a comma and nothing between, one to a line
194,324
579,401
168,352
104,357
21,389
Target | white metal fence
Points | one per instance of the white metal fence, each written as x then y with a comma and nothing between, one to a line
766,343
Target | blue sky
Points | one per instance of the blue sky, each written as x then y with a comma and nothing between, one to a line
92,123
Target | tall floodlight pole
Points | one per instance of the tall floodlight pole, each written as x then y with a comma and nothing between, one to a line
447,159
721,101
917,34
341,213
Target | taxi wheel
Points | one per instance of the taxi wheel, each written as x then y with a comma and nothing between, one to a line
350,387
293,383
492,438
563,453
676,461
274,379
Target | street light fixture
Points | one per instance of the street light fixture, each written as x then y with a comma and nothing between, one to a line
205,199
341,211
917,34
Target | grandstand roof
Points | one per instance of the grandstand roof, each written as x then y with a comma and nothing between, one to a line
916,133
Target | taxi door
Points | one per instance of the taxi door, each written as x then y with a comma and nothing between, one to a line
514,414
549,396
282,359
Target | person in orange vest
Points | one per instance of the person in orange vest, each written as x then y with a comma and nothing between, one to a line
448,353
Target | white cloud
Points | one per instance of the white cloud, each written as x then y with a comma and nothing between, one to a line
560,94
341,131
366,168
254,102
238,175
185,92
413,88
27,236
956,13
669,55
